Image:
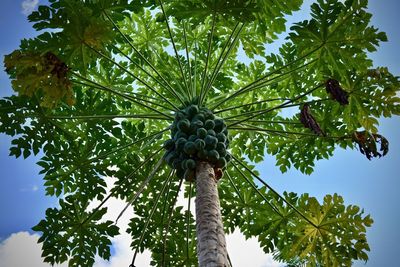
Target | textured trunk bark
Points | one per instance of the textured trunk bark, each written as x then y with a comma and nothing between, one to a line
211,245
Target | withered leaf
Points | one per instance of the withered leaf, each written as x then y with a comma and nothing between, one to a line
367,143
309,121
336,91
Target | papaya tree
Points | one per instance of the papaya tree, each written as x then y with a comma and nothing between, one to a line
144,100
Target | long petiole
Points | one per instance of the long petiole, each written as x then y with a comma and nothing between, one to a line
107,89
266,76
188,224
268,81
104,155
229,260
207,58
256,189
108,116
173,73
142,57
133,75
283,133
150,216
130,175
141,187
221,63
169,222
165,206
195,70
231,118
108,153
258,129
250,104
234,186
193,93
275,192
174,46
276,107
145,71
267,122
155,103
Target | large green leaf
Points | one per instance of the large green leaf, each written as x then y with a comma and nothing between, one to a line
72,232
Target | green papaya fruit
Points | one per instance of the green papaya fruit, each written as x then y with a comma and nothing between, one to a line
199,117
210,140
180,173
221,137
184,125
180,115
180,143
197,123
190,164
199,144
209,124
201,132
219,125
211,132
202,154
208,114
192,110
213,156
169,157
176,163
189,148
192,138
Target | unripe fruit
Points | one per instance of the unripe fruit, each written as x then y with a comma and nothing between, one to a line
184,125
190,164
201,132
209,124
189,148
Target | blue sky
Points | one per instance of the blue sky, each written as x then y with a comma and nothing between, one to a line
373,185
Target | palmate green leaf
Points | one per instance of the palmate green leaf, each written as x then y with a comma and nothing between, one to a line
343,30
66,234
32,130
338,239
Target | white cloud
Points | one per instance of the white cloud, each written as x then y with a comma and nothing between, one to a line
123,252
242,252
33,188
28,6
21,249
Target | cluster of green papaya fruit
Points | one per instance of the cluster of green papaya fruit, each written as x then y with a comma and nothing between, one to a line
196,135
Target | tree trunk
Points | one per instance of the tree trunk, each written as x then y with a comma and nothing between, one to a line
211,245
